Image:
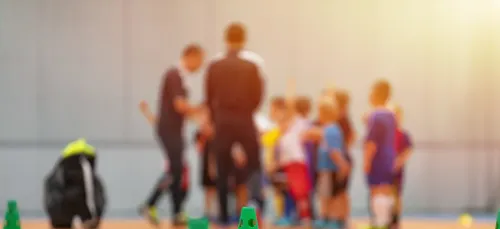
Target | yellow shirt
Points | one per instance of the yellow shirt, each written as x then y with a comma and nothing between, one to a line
269,141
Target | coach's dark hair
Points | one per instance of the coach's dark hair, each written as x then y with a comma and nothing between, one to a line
236,33
382,89
192,49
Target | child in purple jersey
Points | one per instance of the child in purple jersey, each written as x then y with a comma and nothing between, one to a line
403,151
379,155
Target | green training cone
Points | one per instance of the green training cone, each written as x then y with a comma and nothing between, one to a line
248,219
12,219
497,225
201,223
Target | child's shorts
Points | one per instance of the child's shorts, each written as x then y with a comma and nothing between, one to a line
339,186
381,177
398,185
279,179
206,180
299,183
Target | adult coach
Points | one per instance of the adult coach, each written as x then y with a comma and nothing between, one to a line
234,90
173,110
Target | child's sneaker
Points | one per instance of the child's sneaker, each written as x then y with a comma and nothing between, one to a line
283,222
319,223
234,219
151,214
180,219
333,225
211,219
305,222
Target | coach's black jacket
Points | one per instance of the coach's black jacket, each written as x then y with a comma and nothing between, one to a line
234,89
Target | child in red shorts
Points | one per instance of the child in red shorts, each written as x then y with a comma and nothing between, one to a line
292,155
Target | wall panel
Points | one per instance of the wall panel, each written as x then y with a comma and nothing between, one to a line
81,83
19,70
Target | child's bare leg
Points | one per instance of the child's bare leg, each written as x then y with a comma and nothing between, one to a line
323,209
333,209
324,192
303,209
278,202
397,210
343,205
241,196
347,208
210,194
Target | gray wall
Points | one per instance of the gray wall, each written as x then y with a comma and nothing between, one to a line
73,68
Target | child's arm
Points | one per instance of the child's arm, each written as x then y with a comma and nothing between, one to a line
212,165
146,112
330,91
313,134
351,140
290,97
371,145
352,135
339,160
405,155
370,149
270,164
402,159
200,141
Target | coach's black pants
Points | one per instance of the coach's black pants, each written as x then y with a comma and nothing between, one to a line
230,132
174,147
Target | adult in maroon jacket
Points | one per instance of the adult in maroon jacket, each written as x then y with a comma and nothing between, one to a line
234,90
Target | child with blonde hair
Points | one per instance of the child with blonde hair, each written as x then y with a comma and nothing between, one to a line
332,166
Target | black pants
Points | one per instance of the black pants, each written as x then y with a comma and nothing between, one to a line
227,134
174,148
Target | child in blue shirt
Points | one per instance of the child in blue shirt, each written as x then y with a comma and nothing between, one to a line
332,165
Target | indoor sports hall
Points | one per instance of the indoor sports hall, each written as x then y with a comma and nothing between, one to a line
84,69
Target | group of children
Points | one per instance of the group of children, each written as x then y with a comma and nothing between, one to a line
309,161
310,156
312,161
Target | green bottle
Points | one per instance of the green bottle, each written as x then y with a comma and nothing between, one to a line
12,219
248,219
201,223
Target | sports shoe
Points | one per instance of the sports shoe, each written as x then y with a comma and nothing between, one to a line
234,219
151,214
332,225
319,224
180,219
283,222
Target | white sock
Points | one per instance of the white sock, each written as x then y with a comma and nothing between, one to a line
382,209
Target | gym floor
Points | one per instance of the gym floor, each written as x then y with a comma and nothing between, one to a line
407,224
